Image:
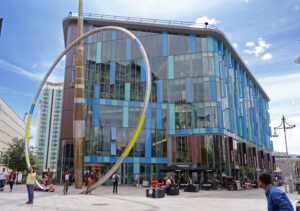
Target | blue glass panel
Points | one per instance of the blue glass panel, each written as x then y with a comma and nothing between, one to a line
112,73
128,49
221,47
158,119
216,45
160,91
100,159
165,44
136,168
113,150
93,159
210,44
188,88
192,43
143,71
216,58
165,160
90,38
98,55
86,159
113,133
89,101
213,90
113,35
127,91
96,91
170,67
220,115
148,143
148,118
172,117
125,116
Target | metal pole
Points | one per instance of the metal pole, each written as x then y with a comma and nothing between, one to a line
79,106
287,155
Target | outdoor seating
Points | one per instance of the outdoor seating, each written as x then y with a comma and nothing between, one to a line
172,190
191,188
160,194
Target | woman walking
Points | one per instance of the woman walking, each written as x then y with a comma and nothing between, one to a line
30,184
11,179
66,184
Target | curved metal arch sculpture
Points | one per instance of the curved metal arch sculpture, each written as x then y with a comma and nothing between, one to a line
142,117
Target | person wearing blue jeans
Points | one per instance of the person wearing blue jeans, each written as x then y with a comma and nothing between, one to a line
30,185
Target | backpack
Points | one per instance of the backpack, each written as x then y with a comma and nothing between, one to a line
116,178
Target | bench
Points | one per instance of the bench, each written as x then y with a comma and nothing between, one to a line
160,193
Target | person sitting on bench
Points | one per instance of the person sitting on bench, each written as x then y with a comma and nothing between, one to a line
155,187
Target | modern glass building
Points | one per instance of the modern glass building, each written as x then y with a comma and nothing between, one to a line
48,130
207,110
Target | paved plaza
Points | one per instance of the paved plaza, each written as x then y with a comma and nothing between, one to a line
130,198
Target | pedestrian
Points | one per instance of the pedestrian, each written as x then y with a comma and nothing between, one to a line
46,179
3,177
89,184
11,179
136,180
66,182
277,199
115,179
30,184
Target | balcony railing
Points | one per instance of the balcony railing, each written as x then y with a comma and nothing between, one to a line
146,20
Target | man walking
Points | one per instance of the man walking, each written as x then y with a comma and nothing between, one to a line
277,200
115,179
3,176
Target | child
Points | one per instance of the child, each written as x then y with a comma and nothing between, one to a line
51,188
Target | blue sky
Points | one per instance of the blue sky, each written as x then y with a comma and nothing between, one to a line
266,34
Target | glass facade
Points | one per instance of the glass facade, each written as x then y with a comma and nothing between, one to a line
204,105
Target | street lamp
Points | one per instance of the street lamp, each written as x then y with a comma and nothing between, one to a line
284,125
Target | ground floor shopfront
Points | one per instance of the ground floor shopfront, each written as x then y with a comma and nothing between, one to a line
204,157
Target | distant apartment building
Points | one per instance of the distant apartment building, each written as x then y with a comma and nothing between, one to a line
11,126
48,129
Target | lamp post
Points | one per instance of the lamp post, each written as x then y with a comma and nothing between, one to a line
284,125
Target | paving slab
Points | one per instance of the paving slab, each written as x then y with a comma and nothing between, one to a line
133,199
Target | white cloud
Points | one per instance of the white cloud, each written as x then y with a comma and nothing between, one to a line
204,19
258,49
267,56
283,91
235,45
246,1
250,44
296,8
38,76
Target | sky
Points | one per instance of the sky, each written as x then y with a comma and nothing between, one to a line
266,34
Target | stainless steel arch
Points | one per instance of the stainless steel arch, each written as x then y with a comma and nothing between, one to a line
142,117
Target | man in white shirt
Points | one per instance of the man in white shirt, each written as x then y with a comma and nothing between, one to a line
3,176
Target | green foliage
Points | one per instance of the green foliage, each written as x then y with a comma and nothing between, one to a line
14,157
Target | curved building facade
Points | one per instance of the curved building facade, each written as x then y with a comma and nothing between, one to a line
207,110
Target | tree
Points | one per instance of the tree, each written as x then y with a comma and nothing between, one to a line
14,157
